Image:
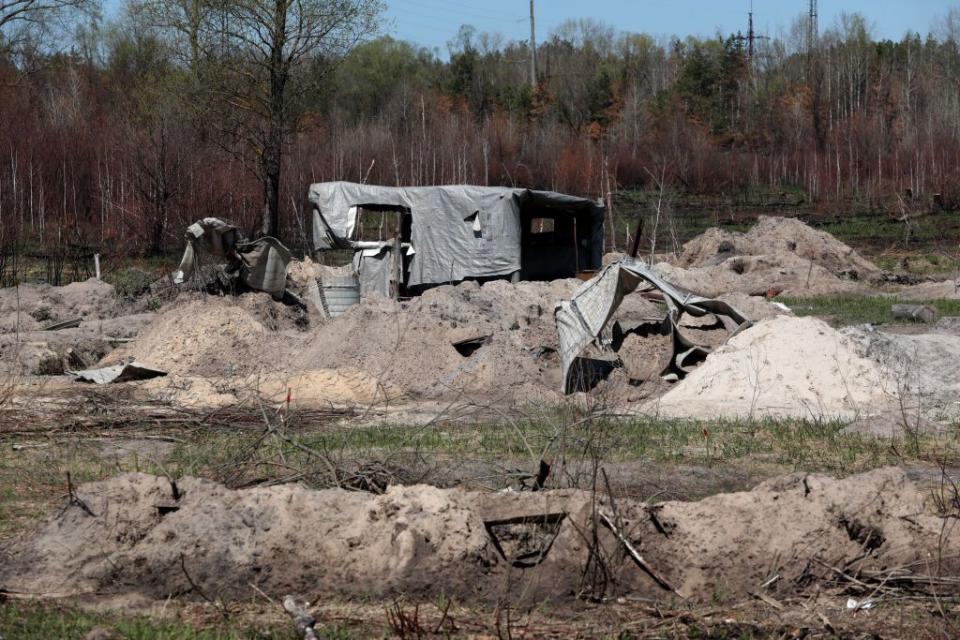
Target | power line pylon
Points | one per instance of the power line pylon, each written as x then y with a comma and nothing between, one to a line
812,28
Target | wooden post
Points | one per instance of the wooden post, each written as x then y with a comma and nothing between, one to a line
396,264
96,264
635,249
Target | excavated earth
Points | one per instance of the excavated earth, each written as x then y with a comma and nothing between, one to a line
497,343
782,255
139,536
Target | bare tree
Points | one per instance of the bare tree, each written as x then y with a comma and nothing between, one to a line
19,17
255,60
14,11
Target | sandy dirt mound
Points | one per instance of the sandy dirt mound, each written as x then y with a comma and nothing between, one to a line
496,340
214,336
139,535
499,340
925,369
782,254
324,386
53,352
782,367
35,306
758,275
755,307
27,350
774,235
301,272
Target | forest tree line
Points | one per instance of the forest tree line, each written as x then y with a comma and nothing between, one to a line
115,134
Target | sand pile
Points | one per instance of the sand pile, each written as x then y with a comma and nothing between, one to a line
786,367
27,350
35,306
777,253
216,336
137,535
946,289
301,272
924,368
497,340
774,235
314,387
53,352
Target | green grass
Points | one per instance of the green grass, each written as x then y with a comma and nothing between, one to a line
884,230
23,620
848,310
787,445
33,480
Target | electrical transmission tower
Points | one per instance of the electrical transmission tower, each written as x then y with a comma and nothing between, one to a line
751,37
812,30
533,49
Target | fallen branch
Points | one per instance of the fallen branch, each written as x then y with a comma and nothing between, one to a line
773,602
637,558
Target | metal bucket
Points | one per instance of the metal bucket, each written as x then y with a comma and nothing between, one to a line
339,294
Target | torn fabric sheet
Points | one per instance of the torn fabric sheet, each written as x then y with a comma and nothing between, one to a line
262,264
374,269
582,319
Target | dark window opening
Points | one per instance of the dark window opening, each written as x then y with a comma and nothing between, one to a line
548,244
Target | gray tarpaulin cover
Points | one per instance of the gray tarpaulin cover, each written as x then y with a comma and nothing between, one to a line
373,268
118,373
581,319
457,232
262,263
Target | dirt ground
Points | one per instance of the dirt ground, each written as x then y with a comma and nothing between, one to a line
419,452
145,536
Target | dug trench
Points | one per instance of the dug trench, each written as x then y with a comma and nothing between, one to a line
142,538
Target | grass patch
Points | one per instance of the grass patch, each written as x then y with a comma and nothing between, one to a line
21,620
33,480
786,445
883,230
848,310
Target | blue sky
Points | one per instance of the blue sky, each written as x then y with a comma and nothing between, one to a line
432,23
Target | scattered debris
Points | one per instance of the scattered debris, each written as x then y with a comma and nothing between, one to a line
65,324
260,264
583,318
468,346
859,605
302,620
118,373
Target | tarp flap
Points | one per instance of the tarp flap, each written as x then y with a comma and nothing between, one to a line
265,265
373,267
582,319
262,263
117,373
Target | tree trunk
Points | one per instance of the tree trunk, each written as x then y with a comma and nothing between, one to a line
273,149
271,193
